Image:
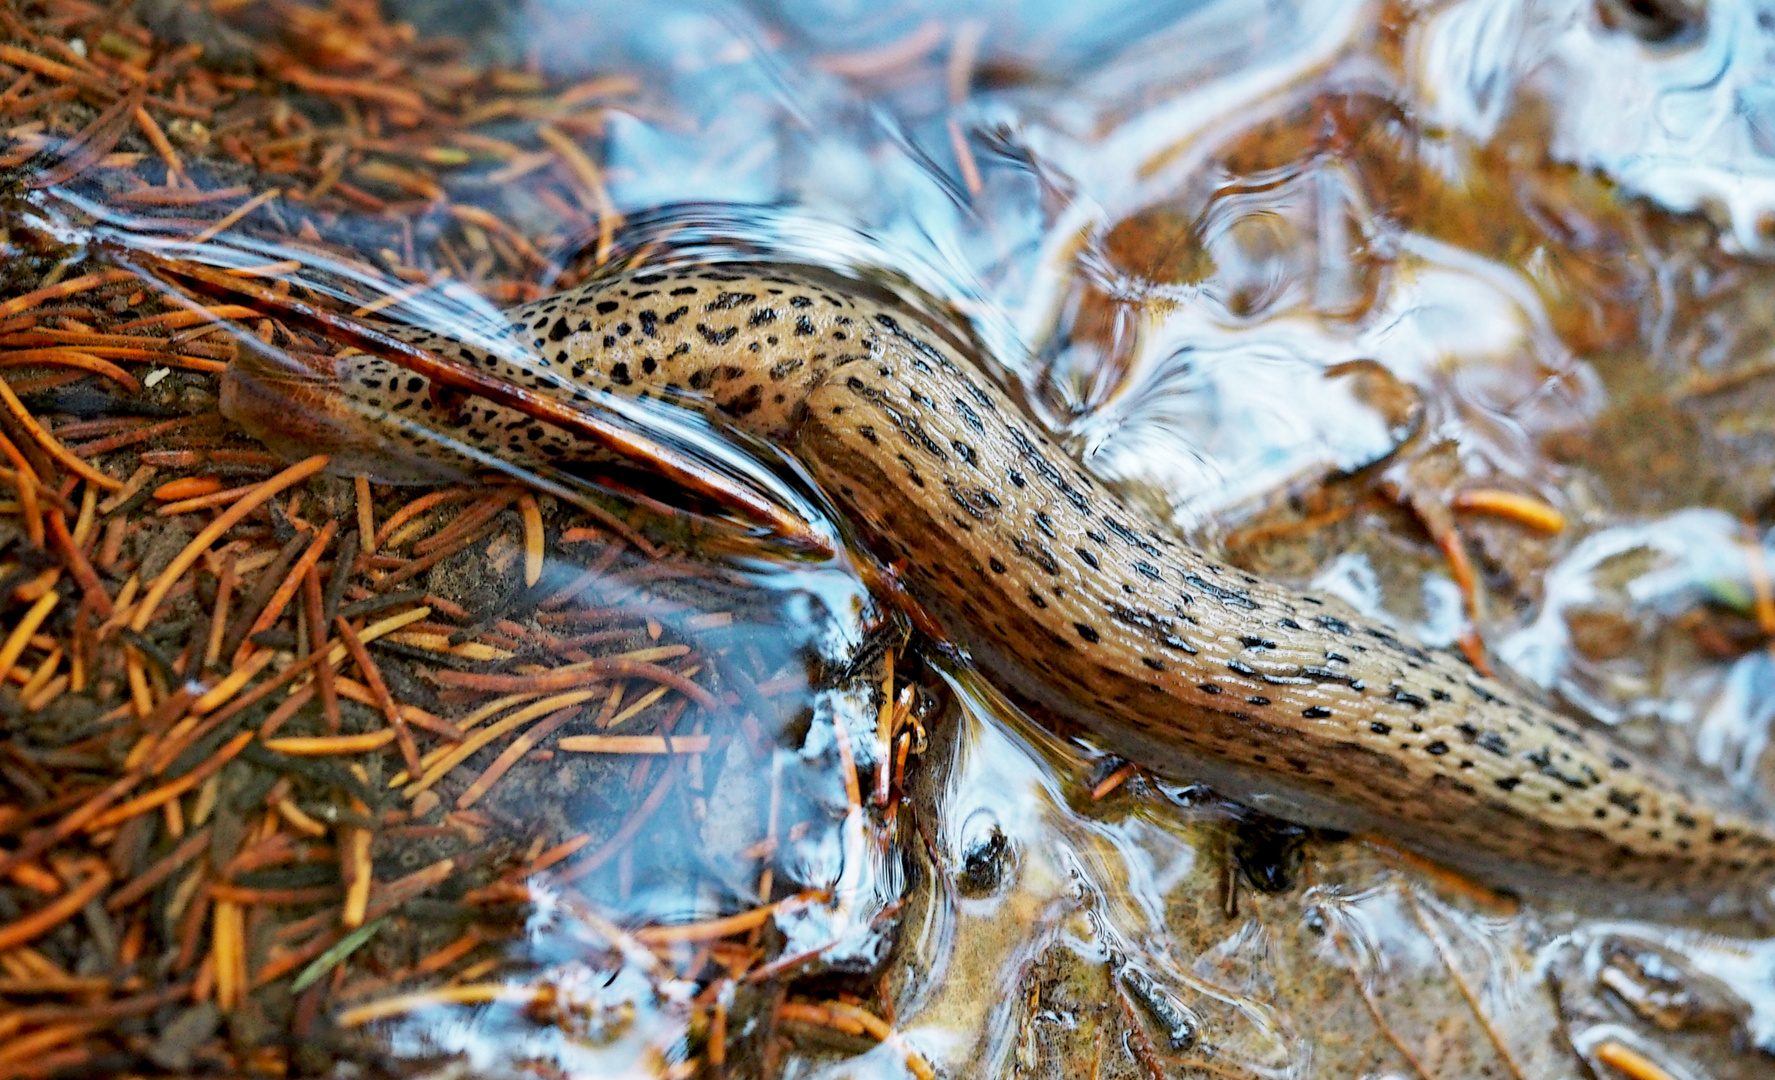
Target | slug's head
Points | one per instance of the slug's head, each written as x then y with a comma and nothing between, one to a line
309,404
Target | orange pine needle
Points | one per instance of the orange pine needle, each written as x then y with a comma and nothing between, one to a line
1523,509
856,1020
227,945
468,994
65,288
412,510
48,442
1636,1065
20,638
167,792
727,926
188,487
577,675
1114,780
231,218
1761,591
634,744
326,745
510,755
233,516
35,878
55,913
533,538
442,958
354,849
25,482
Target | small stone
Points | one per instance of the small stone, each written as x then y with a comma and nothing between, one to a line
180,1040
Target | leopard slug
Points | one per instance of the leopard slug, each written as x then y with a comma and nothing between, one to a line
1065,595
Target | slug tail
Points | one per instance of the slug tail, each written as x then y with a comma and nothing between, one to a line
298,406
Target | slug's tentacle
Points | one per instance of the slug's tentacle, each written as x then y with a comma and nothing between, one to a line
1071,598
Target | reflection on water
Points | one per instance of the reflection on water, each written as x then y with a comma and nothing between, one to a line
1281,270
1669,99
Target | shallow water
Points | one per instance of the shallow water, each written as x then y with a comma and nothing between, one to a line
1296,275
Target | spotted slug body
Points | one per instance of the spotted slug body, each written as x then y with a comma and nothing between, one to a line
1064,594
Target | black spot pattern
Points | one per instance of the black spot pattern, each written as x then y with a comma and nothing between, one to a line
1057,586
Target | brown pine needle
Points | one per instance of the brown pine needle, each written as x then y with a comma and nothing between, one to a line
384,700
33,1048
1461,566
42,65
93,142
314,605
286,589
1467,993
896,55
76,562
146,882
79,359
1445,878
451,537
964,159
426,562
847,763
1358,978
